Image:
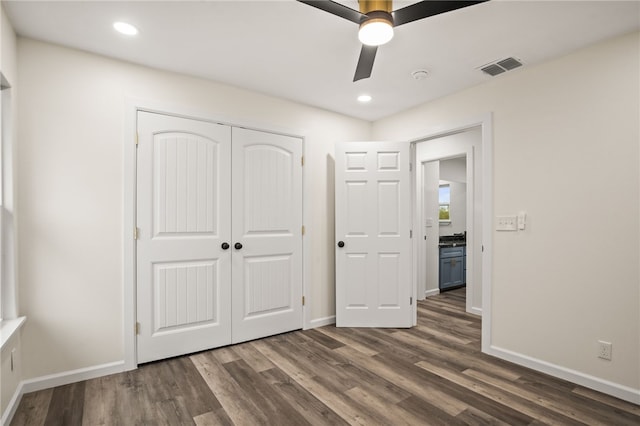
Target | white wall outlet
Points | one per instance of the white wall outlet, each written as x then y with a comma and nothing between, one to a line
604,350
507,223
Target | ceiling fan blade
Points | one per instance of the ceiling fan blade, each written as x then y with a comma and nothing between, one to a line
365,62
424,9
337,9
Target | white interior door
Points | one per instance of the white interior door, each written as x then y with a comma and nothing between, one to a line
373,254
267,234
183,217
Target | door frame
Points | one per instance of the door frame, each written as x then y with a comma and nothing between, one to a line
485,122
469,156
132,106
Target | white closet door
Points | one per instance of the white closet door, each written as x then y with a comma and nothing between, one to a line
183,217
373,253
267,231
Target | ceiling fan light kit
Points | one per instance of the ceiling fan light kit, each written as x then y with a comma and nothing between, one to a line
377,19
377,27
375,32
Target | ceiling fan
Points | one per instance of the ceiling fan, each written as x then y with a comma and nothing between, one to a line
377,19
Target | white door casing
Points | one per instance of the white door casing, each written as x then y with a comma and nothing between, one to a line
431,229
467,141
267,222
183,217
373,220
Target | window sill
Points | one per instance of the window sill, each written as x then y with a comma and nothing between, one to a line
8,328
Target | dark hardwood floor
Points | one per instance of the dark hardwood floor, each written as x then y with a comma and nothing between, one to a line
431,374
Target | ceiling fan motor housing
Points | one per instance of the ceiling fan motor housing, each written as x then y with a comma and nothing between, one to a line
367,6
376,11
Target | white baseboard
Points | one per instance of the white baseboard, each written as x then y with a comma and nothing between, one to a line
8,414
64,378
58,379
476,311
319,322
610,388
433,292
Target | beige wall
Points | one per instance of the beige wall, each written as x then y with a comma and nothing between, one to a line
72,117
566,151
9,377
565,145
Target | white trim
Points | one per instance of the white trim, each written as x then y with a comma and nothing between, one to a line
610,388
73,376
129,249
58,379
487,235
8,327
306,242
423,155
415,240
432,292
10,411
8,242
132,106
320,322
470,250
475,311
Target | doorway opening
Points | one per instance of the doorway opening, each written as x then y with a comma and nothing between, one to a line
449,215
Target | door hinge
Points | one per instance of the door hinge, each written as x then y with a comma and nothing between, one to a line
410,233
410,167
303,229
137,328
135,233
302,160
411,301
136,139
302,300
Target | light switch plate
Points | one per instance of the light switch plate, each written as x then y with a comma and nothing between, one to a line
522,220
507,223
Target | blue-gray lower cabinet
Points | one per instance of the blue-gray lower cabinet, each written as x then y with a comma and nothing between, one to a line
452,271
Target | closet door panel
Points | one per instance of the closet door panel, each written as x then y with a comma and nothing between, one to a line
267,222
183,216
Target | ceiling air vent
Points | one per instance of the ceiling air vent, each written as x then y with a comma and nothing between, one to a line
503,65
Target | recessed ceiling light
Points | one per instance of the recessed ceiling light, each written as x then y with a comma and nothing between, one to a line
364,98
124,28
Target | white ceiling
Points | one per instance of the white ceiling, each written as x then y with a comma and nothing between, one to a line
291,50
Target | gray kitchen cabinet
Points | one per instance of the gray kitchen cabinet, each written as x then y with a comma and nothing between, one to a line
452,267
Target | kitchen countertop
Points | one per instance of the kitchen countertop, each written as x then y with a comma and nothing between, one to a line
452,244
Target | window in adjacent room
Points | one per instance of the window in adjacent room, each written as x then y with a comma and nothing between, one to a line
444,198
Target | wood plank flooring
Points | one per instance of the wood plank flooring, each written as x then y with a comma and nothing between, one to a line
433,374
